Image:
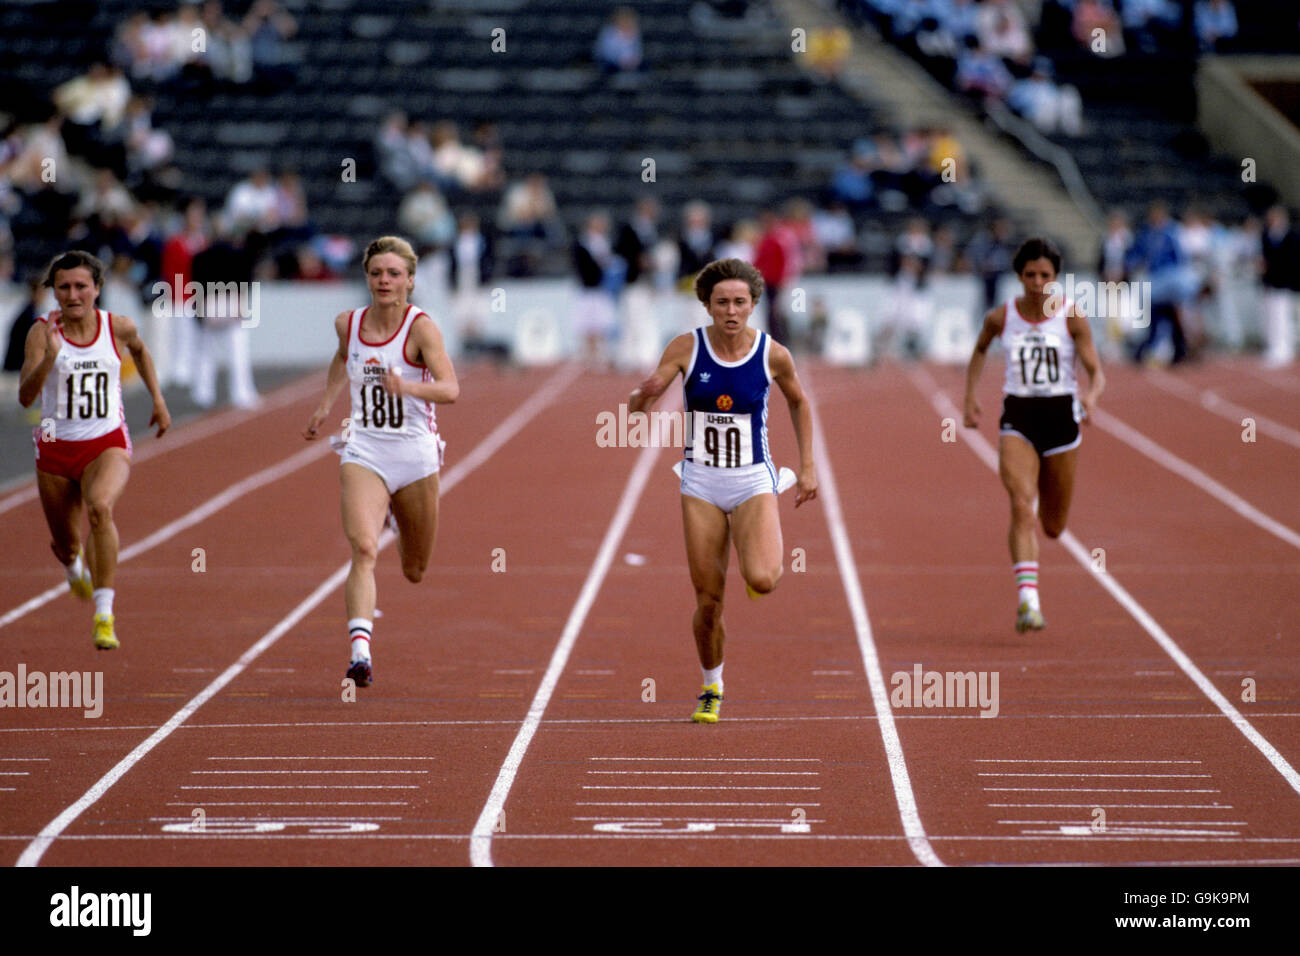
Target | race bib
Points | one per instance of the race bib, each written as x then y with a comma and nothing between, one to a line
722,440
1035,359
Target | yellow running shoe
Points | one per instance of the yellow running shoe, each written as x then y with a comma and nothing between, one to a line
105,639
82,587
709,706
753,595
1029,619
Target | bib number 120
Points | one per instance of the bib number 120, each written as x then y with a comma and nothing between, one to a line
1044,360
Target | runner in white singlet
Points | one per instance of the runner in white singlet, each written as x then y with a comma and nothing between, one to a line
83,448
392,358
1041,409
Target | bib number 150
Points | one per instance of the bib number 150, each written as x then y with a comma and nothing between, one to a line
91,401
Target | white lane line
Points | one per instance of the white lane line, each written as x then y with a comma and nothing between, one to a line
1008,774
24,759
480,847
244,773
906,799
984,451
1124,806
201,513
715,788
301,786
1067,760
292,803
1128,824
309,757
1097,790
696,773
527,410
691,803
1168,460
722,759
191,432
15,773
1216,404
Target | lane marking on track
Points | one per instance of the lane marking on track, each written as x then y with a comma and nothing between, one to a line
314,757
1125,806
1213,402
187,434
480,849
204,511
292,803
1008,774
903,795
721,759
244,773
1099,790
692,803
1171,462
984,451
552,388
1071,760
695,773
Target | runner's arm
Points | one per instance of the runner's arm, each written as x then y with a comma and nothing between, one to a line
675,358
783,374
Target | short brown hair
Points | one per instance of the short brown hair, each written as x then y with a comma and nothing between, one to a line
75,259
720,270
394,244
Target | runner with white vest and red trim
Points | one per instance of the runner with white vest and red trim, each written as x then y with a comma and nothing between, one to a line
83,448
1038,448
392,358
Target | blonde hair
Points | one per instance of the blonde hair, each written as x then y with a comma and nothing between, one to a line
394,244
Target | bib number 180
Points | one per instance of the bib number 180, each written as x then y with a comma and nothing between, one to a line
380,408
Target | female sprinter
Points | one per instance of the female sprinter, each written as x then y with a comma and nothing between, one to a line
390,446
1039,445
729,484
83,448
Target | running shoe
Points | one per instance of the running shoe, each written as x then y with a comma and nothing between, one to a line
105,639
709,707
82,587
1029,618
360,673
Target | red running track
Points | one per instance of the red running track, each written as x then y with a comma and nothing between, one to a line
1095,721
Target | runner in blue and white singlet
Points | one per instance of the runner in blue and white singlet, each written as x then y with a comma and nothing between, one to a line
729,483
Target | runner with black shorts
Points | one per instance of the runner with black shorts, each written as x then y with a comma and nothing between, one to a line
1041,409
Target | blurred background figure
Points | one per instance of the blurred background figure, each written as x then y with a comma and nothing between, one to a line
618,45
598,269
224,272
696,245
1280,271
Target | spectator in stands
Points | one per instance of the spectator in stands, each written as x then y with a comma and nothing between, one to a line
228,53
945,256
982,74
293,224
959,18
95,104
599,270
253,203
147,148
741,242
1091,16
528,208
178,254
1157,255
1049,106
470,266
637,239
696,247
33,305
1279,269
778,258
1001,29
799,220
1113,259
393,152
223,339
990,253
42,159
105,198
851,182
1151,25
828,48
269,28
618,45
837,234
425,217
457,165
1216,21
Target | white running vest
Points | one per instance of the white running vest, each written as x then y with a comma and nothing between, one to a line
1040,355
374,411
83,392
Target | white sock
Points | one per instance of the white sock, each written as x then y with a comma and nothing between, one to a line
75,568
1026,573
359,629
103,600
713,676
